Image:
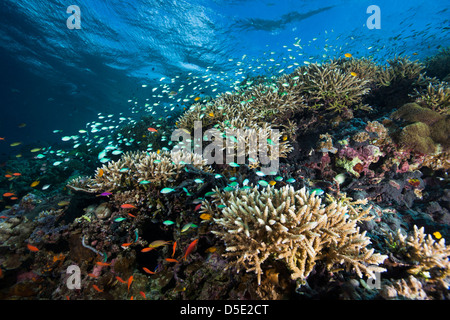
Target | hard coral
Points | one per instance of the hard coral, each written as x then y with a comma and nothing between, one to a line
428,258
329,88
436,97
135,169
291,226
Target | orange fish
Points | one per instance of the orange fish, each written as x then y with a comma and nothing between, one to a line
127,206
190,248
8,176
8,194
32,248
2,139
126,244
16,174
147,249
197,98
152,130
148,270
174,247
97,288
142,294
103,264
100,173
92,275
14,198
120,279
130,280
171,260
133,216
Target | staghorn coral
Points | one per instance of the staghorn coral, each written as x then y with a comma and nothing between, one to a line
428,258
291,226
258,105
253,137
364,68
399,69
436,97
330,88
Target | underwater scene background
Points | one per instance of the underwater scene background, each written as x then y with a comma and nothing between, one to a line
348,101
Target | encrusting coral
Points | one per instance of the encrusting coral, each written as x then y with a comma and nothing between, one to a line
292,226
427,129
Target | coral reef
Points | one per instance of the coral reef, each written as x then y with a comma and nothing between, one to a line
363,153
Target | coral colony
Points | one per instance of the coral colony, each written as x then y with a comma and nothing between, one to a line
308,185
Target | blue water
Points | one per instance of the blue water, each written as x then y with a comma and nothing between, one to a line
53,77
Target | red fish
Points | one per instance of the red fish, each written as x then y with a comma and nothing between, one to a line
130,280
152,130
127,206
142,294
32,248
190,248
126,244
174,247
171,260
120,279
97,288
148,270
197,207
8,194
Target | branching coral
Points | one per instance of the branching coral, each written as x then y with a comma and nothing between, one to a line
135,169
399,69
243,138
436,96
428,258
330,88
258,105
293,226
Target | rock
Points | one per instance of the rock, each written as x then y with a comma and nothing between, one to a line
103,211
